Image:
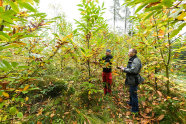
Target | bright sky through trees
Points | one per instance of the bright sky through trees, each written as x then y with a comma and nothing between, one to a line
70,8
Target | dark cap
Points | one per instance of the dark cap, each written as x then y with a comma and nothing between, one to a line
108,50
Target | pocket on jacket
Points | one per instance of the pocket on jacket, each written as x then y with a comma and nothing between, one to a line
140,79
131,80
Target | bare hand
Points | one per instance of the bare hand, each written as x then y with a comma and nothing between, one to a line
122,68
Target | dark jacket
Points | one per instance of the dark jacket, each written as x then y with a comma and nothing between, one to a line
106,61
133,69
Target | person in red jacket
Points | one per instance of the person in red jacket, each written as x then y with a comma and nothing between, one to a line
107,71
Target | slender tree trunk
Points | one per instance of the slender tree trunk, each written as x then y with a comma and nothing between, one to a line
29,53
126,11
168,82
155,80
88,62
169,58
114,15
89,74
156,70
61,63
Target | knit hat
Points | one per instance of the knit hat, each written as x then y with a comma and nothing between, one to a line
108,50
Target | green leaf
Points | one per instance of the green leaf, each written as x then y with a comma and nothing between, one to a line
7,64
13,110
150,1
24,92
20,115
14,6
1,9
2,67
140,7
167,3
184,6
81,10
176,31
27,6
6,18
154,8
103,4
36,88
23,67
14,64
81,24
43,15
37,1
8,46
29,35
98,29
149,15
4,36
83,50
80,5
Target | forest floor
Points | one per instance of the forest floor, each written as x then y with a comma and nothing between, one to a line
96,108
150,104
180,80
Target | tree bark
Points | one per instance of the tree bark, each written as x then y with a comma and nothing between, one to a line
169,58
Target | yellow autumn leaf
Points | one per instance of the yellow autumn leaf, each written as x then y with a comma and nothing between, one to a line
159,93
173,11
160,117
26,87
66,113
115,74
21,43
182,16
26,99
33,29
168,97
182,103
15,26
26,15
70,35
19,90
107,64
83,12
42,64
161,32
1,2
89,92
40,111
1,99
165,78
154,34
5,94
64,39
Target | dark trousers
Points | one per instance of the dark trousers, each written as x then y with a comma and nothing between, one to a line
134,98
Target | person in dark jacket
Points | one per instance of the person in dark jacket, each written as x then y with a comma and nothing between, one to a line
107,71
133,78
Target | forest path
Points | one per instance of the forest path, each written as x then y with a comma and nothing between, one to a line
146,114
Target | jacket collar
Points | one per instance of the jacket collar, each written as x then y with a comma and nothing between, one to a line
132,58
109,56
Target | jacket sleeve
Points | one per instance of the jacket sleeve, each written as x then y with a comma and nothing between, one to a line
111,60
135,67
